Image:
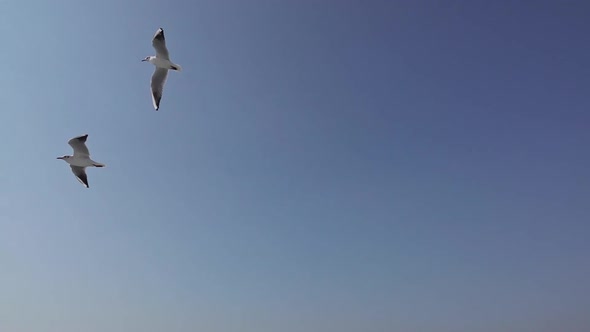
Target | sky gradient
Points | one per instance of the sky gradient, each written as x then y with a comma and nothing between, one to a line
336,166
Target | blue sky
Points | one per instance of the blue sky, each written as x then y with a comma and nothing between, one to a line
316,166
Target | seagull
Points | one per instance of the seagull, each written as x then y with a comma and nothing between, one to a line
162,62
81,159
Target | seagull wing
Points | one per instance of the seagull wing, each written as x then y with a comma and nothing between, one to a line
158,81
79,146
80,173
159,43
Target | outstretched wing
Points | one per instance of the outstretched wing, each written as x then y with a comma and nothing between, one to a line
80,174
158,81
79,146
159,43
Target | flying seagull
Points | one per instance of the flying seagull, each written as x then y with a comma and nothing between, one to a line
162,62
81,159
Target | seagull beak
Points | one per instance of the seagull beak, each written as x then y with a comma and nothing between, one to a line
59,158
142,60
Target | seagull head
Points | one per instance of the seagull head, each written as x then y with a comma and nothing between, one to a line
147,58
64,157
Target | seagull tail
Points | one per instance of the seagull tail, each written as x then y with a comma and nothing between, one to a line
176,67
98,165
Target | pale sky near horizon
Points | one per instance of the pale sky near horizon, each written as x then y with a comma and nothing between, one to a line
317,166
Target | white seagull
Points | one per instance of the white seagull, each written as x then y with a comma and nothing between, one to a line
162,62
81,159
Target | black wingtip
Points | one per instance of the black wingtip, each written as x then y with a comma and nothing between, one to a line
82,138
160,34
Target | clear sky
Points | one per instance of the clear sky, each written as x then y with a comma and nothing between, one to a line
317,165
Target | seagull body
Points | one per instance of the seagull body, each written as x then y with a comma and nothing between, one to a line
81,159
162,63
